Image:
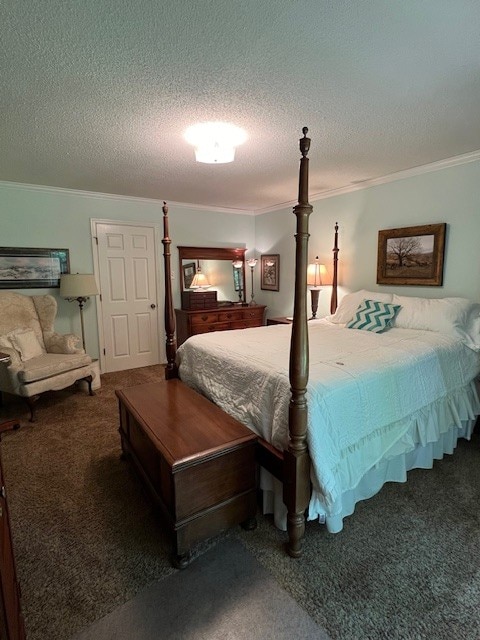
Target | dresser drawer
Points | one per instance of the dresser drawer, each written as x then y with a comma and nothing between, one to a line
253,312
204,318
206,328
216,318
224,316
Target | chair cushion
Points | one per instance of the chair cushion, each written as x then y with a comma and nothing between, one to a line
6,343
26,343
51,364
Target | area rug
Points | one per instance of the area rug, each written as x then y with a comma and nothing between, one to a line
225,594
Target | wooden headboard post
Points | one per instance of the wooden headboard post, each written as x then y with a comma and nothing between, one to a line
333,299
171,370
296,488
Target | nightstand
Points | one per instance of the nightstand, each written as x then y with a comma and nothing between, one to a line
279,320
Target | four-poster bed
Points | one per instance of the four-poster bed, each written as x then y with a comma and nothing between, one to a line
379,403
294,465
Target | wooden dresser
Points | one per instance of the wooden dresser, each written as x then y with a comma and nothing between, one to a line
221,318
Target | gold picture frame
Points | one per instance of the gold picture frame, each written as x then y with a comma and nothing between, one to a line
411,255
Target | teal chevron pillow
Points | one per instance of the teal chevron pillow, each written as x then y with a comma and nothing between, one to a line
375,316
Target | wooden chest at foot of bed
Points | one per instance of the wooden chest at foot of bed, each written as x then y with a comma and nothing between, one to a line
198,462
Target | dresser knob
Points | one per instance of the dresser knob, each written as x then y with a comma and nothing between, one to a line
204,318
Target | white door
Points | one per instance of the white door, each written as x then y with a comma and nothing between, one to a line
128,287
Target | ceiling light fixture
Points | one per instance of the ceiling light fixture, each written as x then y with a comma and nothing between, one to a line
215,142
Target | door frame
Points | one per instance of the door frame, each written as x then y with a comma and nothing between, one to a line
96,270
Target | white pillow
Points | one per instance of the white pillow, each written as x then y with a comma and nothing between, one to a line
473,327
456,317
26,343
349,304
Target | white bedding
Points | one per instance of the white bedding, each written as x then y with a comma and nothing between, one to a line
370,396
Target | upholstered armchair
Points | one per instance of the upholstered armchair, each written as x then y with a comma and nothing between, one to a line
39,358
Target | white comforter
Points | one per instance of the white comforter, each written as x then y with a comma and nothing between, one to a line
370,396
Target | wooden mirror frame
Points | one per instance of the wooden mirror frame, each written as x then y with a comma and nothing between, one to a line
211,253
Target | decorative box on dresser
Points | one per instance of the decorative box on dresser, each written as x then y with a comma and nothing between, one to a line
220,318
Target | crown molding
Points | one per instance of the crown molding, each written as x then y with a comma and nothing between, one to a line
123,198
331,193
373,182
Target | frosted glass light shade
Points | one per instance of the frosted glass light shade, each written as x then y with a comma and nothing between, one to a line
215,142
78,285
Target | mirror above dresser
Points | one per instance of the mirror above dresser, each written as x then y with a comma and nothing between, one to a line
224,269
219,304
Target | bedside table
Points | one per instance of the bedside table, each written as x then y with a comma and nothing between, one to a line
279,320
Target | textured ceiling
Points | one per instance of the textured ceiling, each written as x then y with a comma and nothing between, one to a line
96,94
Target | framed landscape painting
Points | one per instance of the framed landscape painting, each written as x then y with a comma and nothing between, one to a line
412,255
25,268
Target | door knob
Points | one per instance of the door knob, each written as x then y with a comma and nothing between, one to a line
153,306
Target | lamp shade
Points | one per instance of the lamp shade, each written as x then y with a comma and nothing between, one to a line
200,281
317,274
252,262
78,285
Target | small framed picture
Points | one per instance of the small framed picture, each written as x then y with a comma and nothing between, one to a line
270,272
411,255
188,274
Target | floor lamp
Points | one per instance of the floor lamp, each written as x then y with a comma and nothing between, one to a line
252,264
316,276
79,287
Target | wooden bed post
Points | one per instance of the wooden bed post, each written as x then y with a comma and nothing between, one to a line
296,488
333,299
171,370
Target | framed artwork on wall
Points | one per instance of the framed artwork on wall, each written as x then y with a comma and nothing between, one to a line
189,271
25,268
270,272
411,255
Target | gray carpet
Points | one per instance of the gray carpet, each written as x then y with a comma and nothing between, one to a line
224,595
87,539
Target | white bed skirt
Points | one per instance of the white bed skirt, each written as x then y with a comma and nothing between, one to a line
393,470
